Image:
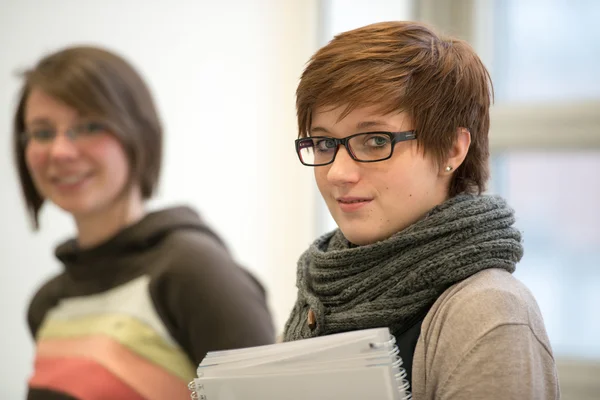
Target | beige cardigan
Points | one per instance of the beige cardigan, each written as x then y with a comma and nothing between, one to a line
484,338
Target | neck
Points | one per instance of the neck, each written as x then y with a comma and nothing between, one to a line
98,227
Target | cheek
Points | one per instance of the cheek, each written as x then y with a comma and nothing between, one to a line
408,179
110,155
321,178
35,160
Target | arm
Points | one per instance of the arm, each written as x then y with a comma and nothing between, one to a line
210,303
509,362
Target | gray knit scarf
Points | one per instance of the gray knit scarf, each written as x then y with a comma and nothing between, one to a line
392,282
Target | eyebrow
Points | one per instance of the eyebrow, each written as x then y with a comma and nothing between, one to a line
38,121
360,126
318,129
372,124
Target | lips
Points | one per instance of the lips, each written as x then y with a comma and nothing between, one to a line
352,204
70,182
352,200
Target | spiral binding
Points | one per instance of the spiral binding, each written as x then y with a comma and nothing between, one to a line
399,372
192,387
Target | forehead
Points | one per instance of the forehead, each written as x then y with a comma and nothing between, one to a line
41,107
365,118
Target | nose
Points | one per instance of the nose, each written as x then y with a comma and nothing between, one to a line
344,169
62,148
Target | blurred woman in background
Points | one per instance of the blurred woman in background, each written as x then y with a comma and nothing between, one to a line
143,295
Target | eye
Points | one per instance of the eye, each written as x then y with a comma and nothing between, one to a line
89,128
377,141
325,144
42,134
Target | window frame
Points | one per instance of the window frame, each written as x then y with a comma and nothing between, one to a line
539,125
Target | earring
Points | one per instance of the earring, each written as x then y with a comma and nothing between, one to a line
448,168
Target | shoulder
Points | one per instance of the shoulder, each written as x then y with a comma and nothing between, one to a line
205,299
199,260
487,302
489,321
190,246
484,301
45,298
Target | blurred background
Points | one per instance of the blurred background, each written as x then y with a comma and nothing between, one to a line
228,70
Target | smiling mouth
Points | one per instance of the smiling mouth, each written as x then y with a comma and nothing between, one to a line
70,181
352,205
352,201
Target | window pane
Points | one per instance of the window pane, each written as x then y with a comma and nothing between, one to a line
343,15
546,50
557,201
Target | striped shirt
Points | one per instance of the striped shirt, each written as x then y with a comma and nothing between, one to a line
132,318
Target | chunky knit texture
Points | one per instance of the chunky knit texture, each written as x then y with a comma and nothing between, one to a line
393,282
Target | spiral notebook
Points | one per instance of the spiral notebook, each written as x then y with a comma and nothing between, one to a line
355,365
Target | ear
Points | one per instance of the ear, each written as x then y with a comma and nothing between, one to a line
458,151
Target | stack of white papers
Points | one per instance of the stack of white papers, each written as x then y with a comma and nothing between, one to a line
355,365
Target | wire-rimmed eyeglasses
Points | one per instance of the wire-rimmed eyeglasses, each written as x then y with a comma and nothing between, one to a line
80,132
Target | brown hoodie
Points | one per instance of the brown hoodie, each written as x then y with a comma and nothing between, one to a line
133,317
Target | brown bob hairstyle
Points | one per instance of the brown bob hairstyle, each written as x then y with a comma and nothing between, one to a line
405,66
98,84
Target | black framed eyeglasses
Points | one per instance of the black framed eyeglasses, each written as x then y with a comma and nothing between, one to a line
315,151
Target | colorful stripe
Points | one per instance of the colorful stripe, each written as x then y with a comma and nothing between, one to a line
151,381
131,298
80,378
127,331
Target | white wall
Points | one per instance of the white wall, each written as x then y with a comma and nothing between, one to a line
223,74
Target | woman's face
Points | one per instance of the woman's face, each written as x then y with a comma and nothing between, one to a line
372,201
83,174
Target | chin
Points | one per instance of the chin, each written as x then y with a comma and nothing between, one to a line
362,237
75,207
